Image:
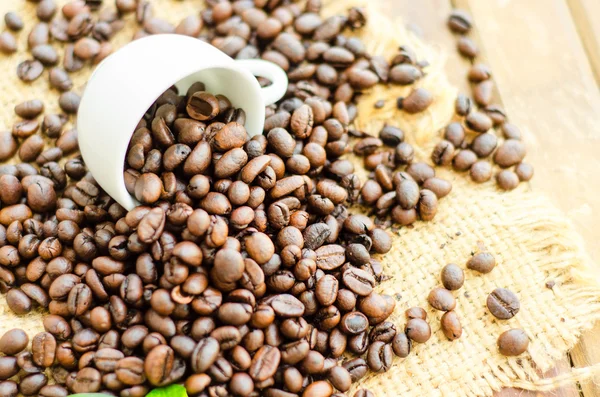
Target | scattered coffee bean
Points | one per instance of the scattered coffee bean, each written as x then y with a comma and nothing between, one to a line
451,325
452,276
503,303
513,342
482,262
441,299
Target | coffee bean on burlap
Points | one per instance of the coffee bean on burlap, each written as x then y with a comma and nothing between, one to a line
503,303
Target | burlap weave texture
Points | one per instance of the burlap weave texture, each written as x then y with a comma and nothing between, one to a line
532,241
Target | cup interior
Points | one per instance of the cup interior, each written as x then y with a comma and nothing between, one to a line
240,87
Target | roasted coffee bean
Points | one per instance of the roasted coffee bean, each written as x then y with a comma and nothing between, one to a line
379,356
29,109
30,385
416,102
464,159
13,21
357,367
460,21
18,301
507,180
441,299
8,367
13,342
513,342
43,346
479,72
401,345
30,70
452,277
524,171
503,303
510,153
418,330
451,325
484,144
482,262
443,153
467,48
481,171
8,43
478,122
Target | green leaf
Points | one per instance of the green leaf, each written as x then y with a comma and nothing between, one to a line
169,391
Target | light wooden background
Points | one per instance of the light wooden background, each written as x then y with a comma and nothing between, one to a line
545,58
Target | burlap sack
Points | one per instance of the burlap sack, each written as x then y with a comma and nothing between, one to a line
533,242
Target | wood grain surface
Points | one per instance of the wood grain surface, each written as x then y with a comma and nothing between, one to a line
545,57
543,54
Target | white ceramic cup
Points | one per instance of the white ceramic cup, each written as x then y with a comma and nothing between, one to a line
126,84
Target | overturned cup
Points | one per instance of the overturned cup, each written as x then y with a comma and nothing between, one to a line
126,84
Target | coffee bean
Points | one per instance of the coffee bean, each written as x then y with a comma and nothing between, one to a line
8,145
451,325
69,102
441,299
30,385
511,131
8,367
481,171
478,122
13,21
46,54
405,74
460,21
202,106
13,342
510,153
358,281
29,109
467,48
379,356
88,380
479,72
443,153
30,70
8,43
130,371
452,277
483,262
418,330
43,346
18,301
484,144
416,102
464,159
455,134
524,171
319,388
357,367
513,342
507,180
503,303
401,345
53,391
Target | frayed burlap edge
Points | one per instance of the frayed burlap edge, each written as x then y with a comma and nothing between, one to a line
533,242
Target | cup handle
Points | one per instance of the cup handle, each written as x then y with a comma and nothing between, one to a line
278,78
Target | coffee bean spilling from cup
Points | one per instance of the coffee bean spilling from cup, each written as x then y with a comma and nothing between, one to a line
243,272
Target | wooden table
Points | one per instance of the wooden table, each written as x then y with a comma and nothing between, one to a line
545,59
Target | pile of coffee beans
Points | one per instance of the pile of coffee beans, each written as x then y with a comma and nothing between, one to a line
399,187
242,272
471,142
